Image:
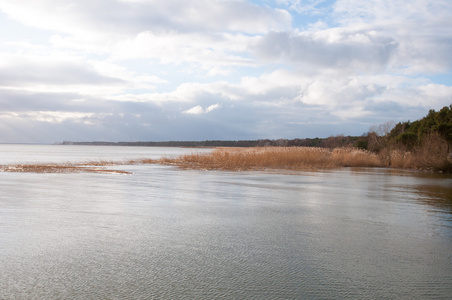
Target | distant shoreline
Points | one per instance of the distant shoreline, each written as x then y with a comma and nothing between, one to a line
315,142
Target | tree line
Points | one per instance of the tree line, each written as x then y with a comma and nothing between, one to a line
315,142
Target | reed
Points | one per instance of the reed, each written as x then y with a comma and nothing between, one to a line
433,154
293,158
401,159
353,157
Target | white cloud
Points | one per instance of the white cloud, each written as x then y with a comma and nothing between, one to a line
384,12
331,49
197,110
56,117
129,18
213,107
20,70
305,6
208,51
374,36
420,28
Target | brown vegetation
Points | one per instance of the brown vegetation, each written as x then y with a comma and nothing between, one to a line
432,154
293,158
94,167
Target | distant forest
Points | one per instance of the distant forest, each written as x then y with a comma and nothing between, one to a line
316,142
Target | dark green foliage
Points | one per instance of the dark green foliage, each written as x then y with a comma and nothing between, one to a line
408,139
399,128
445,130
361,144
412,134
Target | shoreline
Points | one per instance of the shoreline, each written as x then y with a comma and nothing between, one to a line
236,159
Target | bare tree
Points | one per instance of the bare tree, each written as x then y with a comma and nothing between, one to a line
378,139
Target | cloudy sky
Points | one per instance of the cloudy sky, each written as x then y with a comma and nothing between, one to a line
157,70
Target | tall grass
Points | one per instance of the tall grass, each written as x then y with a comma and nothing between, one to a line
352,157
294,158
400,159
433,154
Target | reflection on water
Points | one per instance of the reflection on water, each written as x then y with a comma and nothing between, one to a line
166,233
430,189
438,196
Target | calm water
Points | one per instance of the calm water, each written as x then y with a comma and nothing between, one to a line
167,233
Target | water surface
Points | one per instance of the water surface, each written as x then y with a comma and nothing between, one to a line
167,233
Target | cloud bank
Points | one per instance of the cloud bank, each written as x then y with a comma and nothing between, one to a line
130,70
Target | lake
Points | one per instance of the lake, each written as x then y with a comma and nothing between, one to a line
166,233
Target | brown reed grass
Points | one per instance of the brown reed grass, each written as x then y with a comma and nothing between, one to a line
352,157
293,158
401,159
433,154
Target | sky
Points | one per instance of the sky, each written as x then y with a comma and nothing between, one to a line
161,70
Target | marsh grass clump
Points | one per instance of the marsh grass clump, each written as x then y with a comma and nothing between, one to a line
293,158
353,157
98,163
401,159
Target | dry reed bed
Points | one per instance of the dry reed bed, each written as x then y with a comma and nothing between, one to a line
293,158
